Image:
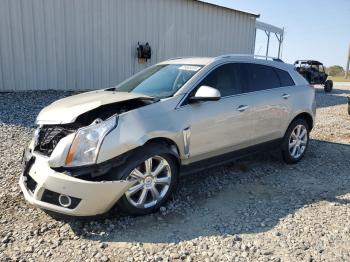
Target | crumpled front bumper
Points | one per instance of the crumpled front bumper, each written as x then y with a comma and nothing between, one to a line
94,198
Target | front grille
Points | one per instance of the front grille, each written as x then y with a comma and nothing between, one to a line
50,135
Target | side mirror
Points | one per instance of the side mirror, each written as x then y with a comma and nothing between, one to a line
206,93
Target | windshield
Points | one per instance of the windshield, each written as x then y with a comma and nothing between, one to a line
159,81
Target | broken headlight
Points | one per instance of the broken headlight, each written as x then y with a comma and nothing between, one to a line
87,142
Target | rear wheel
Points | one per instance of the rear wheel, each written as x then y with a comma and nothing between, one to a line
296,141
154,177
328,86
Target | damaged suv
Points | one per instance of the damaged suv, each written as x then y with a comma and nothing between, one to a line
127,145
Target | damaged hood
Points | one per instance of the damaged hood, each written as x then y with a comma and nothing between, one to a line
66,110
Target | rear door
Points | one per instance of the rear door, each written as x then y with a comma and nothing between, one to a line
288,90
269,104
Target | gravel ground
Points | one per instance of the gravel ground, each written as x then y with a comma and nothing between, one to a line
258,209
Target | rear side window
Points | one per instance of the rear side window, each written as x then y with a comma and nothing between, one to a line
285,78
261,77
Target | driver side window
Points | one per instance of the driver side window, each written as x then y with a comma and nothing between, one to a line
225,78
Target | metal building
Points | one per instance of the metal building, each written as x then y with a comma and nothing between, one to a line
90,44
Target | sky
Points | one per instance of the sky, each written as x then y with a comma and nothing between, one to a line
314,29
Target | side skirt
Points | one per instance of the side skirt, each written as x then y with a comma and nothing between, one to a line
229,157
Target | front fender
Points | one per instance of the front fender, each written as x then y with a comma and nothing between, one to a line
135,129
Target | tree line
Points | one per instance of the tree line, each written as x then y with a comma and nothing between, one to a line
335,70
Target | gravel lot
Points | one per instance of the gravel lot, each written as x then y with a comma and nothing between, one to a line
258,209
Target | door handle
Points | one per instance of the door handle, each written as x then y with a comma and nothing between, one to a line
286,96
242,108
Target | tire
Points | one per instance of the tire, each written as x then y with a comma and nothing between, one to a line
328,86
141,198
300,144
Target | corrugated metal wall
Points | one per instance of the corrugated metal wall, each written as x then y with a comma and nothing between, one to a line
88,44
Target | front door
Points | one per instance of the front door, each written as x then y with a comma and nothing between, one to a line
217,127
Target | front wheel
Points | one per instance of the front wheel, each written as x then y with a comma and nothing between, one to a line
295,141
154,177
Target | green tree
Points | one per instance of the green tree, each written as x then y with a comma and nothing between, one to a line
335,70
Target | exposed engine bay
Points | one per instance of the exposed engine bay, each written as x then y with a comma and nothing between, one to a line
105,111
48,136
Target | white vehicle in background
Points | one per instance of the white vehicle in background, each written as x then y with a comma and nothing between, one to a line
127,145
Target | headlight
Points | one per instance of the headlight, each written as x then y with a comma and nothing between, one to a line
87,142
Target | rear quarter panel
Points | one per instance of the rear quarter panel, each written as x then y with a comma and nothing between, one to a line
302,100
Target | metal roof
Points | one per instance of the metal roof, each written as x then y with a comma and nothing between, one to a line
269,28
230,8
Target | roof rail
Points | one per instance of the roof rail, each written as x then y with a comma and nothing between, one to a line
249,56
175,58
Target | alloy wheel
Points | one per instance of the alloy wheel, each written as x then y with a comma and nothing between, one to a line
298,141
151,180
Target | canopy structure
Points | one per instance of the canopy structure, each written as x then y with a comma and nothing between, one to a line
268,29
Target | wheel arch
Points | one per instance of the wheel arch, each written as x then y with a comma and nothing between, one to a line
307,117
168,142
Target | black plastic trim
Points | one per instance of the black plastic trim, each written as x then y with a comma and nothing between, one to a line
95,170
229,157
99,170
52,198
31,184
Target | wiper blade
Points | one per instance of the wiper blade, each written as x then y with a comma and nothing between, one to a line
111,89
153,98
143,96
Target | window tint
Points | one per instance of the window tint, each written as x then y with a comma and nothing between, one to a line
285,78
226,79
261,77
